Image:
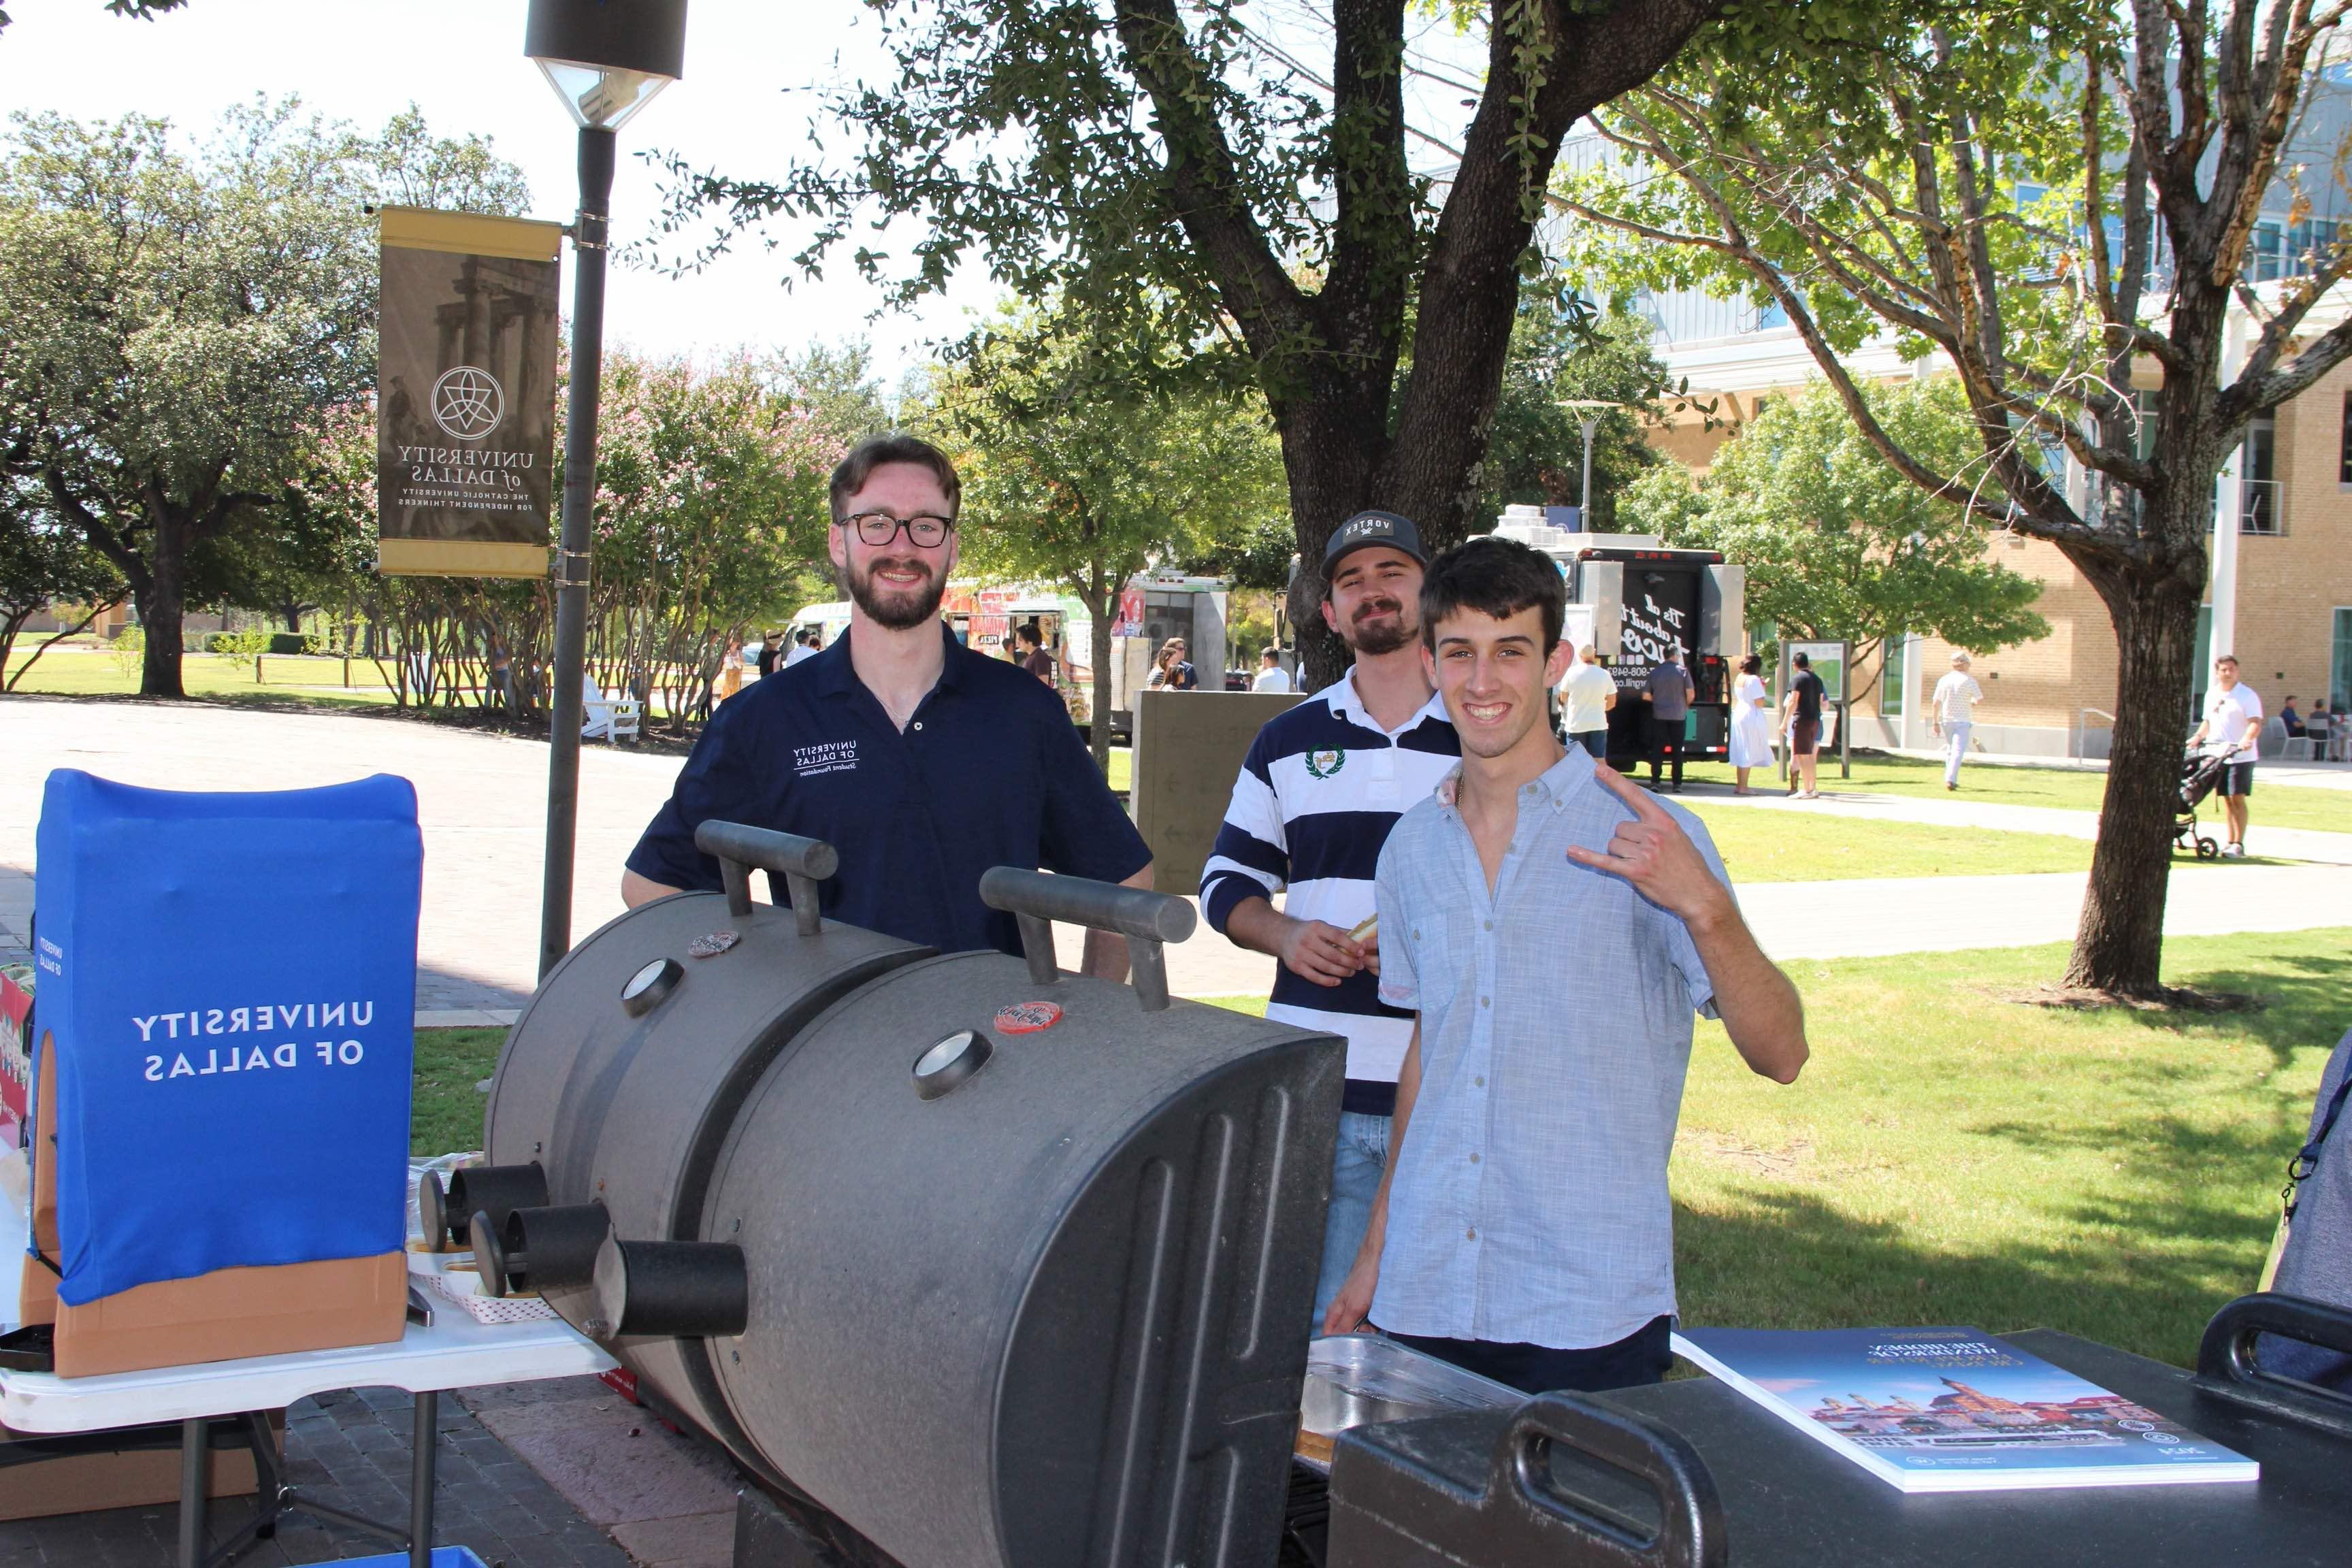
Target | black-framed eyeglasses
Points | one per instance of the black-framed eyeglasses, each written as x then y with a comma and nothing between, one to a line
924,528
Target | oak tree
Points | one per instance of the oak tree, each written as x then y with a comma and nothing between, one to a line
2069,202
1120,152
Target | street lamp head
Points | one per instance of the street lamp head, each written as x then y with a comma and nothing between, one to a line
606,58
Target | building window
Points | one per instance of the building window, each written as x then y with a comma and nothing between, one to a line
2344,472
2339,667
1891,678
2258,485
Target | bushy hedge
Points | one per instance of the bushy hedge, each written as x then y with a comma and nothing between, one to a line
237,642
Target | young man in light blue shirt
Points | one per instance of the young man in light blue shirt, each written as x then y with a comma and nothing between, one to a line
1524,1228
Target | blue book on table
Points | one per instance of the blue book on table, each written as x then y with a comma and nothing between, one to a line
1953,1409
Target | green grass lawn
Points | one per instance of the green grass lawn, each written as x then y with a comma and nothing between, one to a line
445,1110
284,678
1949,1157
1760,845
2062,789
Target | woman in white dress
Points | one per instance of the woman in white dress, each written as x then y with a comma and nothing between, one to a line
1751,724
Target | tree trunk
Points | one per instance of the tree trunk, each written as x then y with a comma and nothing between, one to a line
1328,462
2119,945
1098,710
160,608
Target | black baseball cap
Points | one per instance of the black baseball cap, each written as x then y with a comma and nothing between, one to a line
1369,527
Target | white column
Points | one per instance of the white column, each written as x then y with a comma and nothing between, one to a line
1913,721
2229,506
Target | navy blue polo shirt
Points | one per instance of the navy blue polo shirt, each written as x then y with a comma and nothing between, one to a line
989,772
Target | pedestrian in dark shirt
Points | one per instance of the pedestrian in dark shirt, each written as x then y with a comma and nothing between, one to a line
1033,657
1805,694
1666,707
922,762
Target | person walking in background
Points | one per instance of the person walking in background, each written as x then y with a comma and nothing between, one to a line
1271,675
1800,715
1170,671
1751,726
1316,795
730,667
1666,698
803,646
1586,697
1951,714
2233,717
1033,657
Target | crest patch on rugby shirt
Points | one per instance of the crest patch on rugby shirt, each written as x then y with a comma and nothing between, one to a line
1324,763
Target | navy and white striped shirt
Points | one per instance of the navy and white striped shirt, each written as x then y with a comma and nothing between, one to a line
1317,793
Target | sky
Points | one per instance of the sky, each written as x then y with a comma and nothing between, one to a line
742,106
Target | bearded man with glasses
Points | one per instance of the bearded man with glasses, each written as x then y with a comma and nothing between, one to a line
921,761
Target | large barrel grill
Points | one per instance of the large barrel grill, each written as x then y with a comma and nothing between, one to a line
1000,1266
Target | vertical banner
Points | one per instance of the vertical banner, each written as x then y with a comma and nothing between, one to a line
466,395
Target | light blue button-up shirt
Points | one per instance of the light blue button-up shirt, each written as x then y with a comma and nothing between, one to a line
1530,1201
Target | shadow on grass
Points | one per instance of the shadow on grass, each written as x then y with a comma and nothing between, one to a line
2308,1002
1783,1259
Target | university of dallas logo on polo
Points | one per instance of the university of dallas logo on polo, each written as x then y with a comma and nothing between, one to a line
469,402
1323,764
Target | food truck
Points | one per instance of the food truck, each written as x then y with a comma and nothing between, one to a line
1636,598
1153,606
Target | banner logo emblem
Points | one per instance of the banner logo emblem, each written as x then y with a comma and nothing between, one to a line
468,403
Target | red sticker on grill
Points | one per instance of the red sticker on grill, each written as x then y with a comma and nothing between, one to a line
1027,1017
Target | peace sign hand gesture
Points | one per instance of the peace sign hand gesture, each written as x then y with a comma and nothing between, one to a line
1653,854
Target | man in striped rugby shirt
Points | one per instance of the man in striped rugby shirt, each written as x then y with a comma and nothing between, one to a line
1317,793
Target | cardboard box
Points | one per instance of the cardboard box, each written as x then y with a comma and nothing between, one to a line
225,1315
43,1475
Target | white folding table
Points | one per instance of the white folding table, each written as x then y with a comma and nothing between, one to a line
453,1351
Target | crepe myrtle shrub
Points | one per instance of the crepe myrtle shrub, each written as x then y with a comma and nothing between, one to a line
2060,202
709,511
1147,155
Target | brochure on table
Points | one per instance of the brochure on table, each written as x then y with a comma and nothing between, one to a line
1953,1409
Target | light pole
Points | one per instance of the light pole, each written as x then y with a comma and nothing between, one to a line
1587,421
605,62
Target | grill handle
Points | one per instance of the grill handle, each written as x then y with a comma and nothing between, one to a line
801,862
2227,1364
1146,918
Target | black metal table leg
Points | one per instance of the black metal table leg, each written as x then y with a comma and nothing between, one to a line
420,1479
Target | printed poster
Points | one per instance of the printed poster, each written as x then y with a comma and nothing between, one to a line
466,395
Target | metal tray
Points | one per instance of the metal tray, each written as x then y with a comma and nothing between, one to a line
1356,1380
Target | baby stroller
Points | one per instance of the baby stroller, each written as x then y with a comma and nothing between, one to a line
2200,775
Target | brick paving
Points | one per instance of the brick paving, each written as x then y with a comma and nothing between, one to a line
351,1450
